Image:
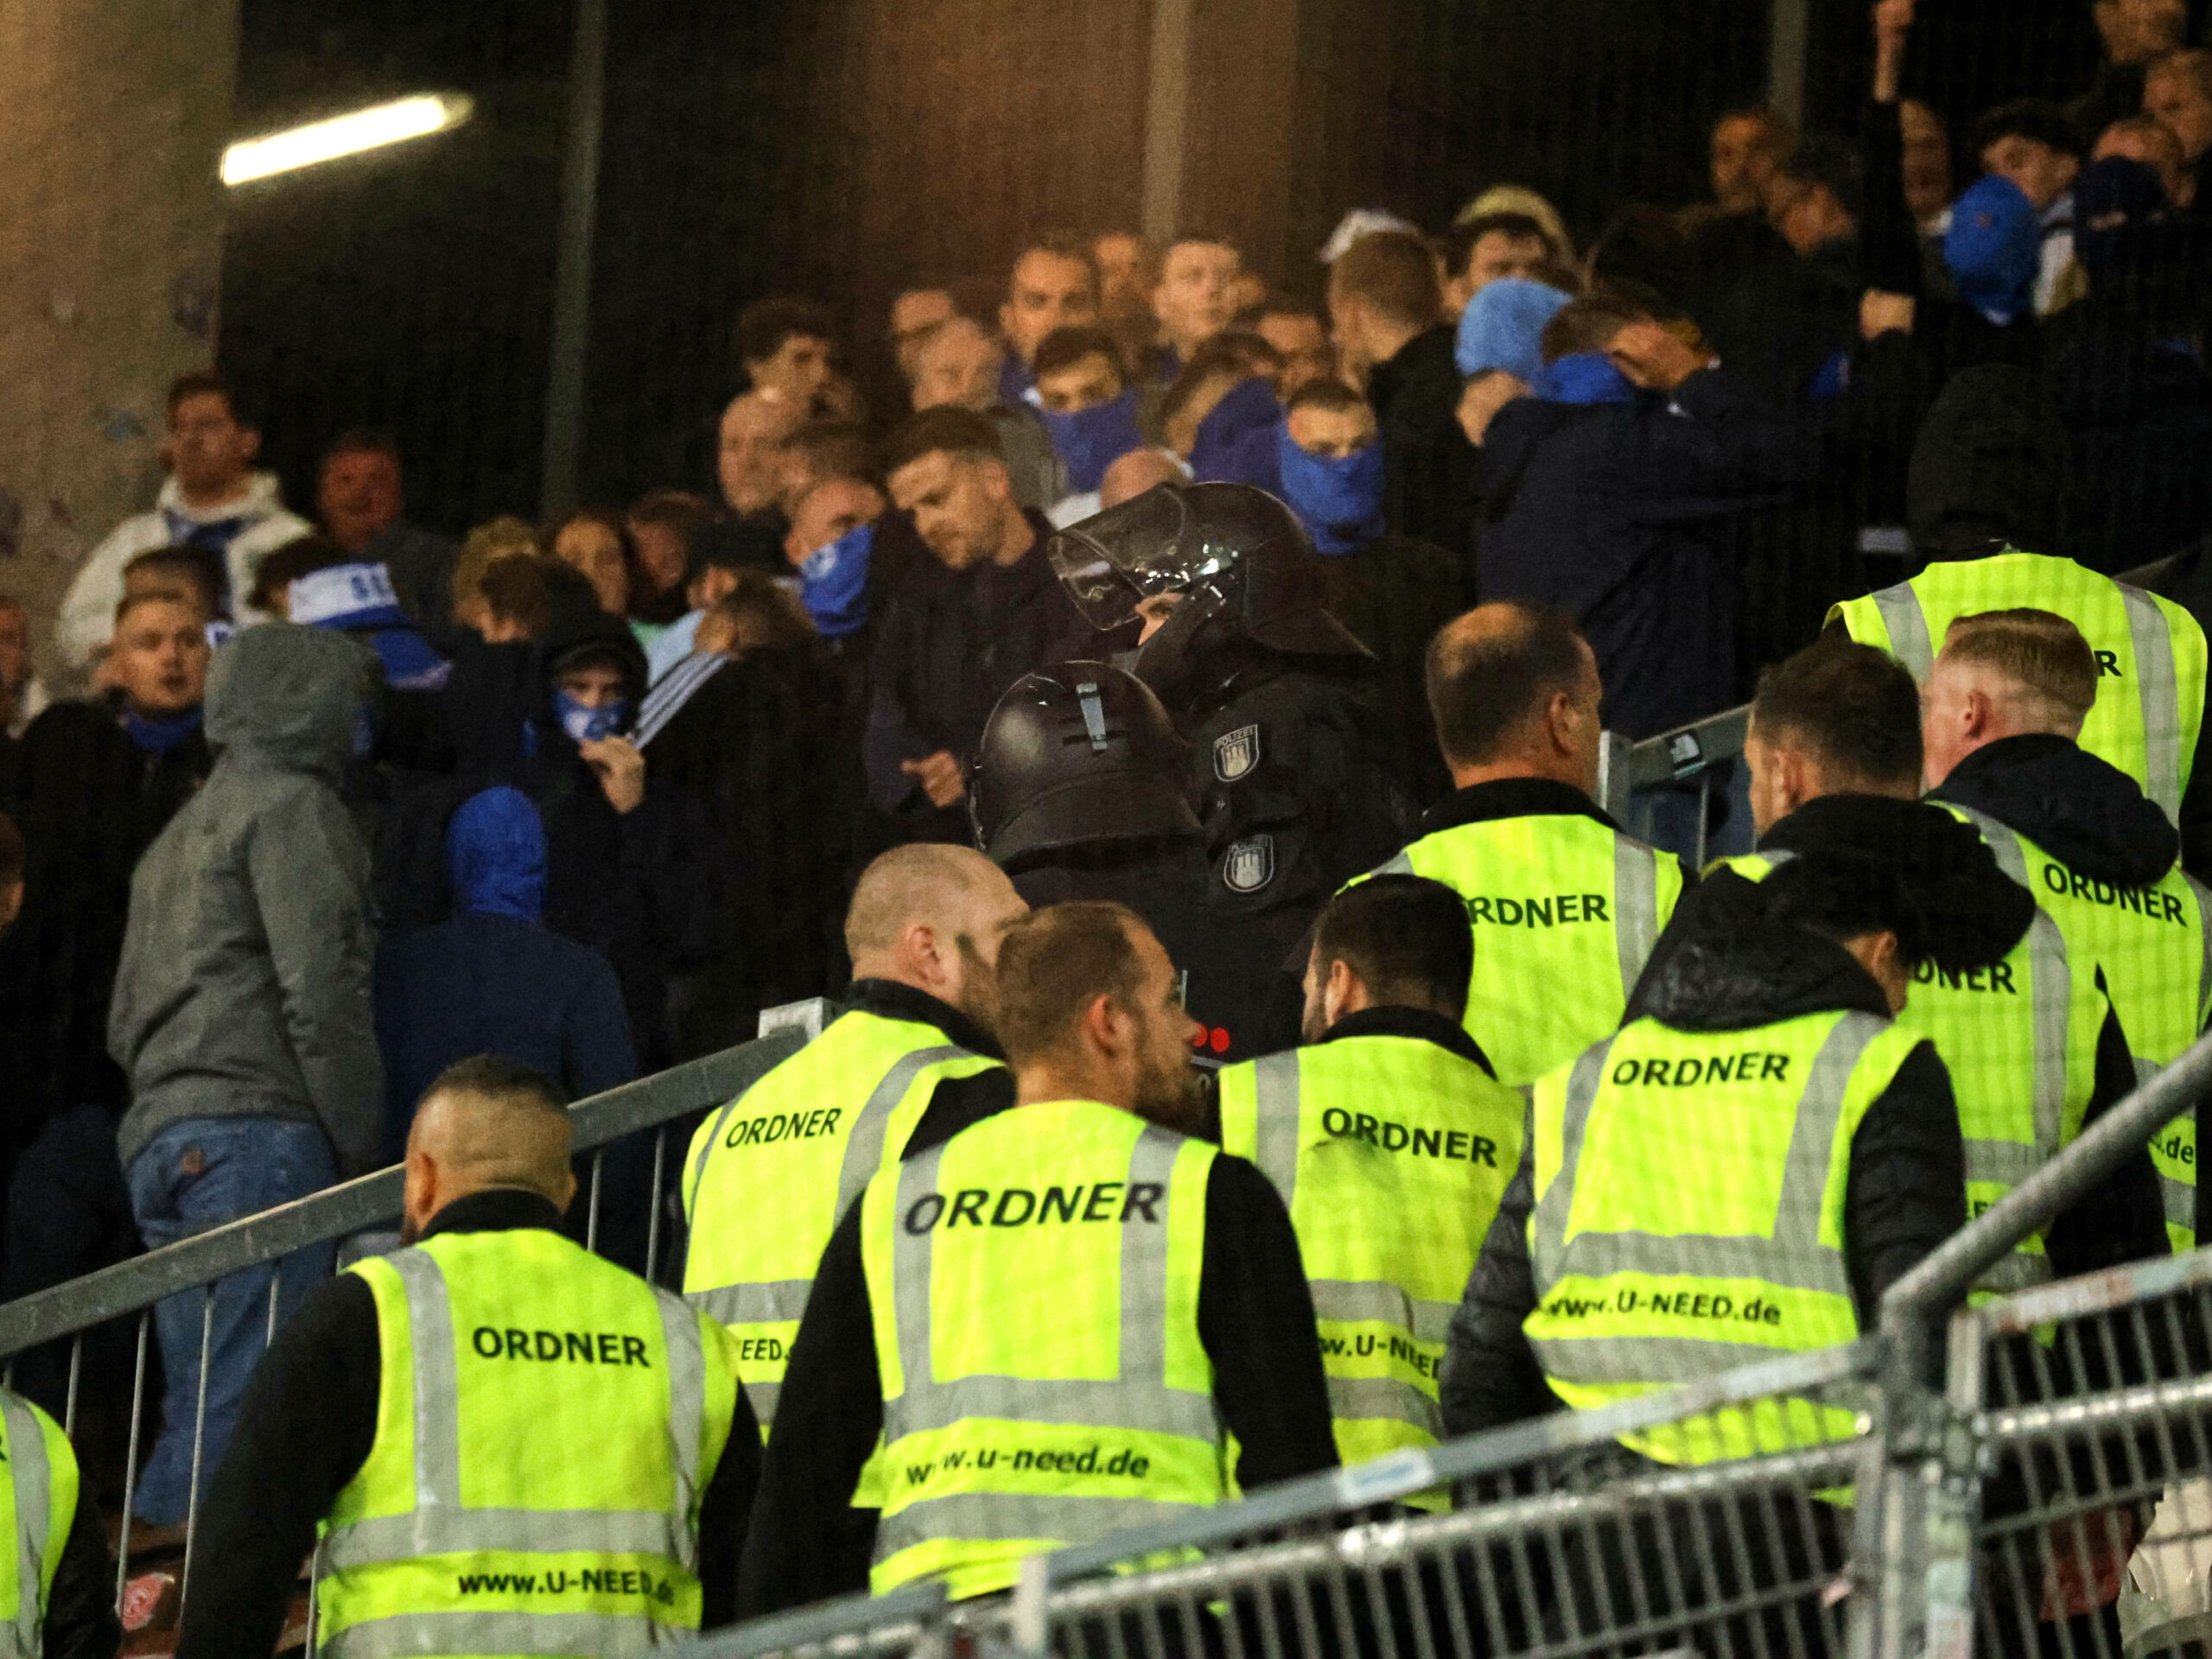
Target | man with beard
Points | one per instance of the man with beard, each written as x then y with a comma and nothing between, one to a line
967,622
1057,1320
518,1350
908,1064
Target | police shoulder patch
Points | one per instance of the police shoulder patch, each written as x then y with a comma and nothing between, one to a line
1250,864
1236,753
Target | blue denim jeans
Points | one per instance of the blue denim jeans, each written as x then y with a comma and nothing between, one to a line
194,1176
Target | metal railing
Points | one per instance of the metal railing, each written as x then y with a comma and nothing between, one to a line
70,1312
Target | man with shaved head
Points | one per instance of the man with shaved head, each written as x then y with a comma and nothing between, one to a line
436,1406
910,1062
1564,904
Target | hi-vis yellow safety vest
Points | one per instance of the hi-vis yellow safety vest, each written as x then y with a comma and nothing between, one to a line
2154,948
1034,1288
1390,1153
1648,1277
1565,910
2020,1042
547,1426
41,1496
775,1171
2150,703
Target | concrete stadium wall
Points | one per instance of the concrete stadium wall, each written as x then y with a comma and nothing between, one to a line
113,114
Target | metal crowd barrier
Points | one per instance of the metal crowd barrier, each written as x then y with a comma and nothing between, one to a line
1863,1508
70,1312
1696,751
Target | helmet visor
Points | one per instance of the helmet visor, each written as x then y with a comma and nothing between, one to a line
1113,560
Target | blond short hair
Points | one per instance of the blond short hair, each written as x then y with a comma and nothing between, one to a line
2039,652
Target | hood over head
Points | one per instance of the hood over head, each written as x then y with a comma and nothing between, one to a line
1951,905
2083,811
578,638
1988,467
1751,954
495,855
290,696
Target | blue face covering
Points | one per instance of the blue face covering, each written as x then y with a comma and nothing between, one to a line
1339,500
160,736
1584,377
1091,440
833,582
590,725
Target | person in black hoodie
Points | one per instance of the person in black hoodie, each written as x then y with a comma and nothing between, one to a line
2003,709
1826,935
1743,958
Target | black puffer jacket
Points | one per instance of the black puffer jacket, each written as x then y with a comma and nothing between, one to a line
1906,1192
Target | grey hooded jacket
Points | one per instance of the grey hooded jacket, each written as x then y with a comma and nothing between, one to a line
243,989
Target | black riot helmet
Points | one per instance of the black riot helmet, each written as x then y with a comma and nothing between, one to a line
1242,563
1076,754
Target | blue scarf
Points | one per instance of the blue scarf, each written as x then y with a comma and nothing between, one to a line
1339,500
833,582
1091,440
160,736
211,540
1584,377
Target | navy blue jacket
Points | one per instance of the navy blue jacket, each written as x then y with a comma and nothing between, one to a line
494,979
1628,516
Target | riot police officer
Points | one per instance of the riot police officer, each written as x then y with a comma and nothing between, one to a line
1287,762
1078,793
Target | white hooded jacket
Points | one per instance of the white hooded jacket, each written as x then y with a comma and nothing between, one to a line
87,620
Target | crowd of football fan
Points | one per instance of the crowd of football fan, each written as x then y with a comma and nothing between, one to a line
1185,672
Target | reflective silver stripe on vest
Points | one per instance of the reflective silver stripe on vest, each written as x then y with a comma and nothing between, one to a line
781,1301
1093,1403
1275,1129
33,1483
687,1411
1792,1255
1635,907
440,1524
864,1146
1557,1200
2007,1162
1379,1301
2178,1198
1644,1359
1365,1398
1018,1515
1139,1399
1403,864
1908,626
2204,925
2159,687
586,1635
2004,841
441,1531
